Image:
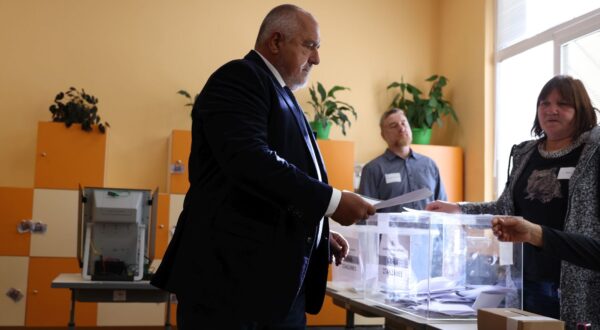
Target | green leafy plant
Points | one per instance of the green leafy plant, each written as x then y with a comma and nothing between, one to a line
189,97
423,112
77,107
328,108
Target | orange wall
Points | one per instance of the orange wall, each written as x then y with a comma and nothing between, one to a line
134,55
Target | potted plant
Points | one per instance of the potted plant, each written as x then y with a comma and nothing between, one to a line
328,109
77,107
188,96
422,113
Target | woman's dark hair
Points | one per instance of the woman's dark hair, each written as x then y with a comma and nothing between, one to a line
574,94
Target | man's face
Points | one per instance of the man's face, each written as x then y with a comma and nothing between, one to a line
396,130
299,52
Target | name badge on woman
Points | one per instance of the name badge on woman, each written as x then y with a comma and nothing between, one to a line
565,173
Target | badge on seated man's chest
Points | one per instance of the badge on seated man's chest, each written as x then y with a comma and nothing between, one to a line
392,177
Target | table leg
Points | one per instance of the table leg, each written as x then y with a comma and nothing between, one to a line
71,324
349,319
168,321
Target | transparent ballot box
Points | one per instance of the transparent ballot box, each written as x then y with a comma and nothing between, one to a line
432,265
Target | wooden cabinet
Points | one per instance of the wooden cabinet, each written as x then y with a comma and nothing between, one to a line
67,157
50,307
339,162
58,210
162,226
15,206
450,163
13,275
180,144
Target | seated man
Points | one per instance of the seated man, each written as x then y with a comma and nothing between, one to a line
399,170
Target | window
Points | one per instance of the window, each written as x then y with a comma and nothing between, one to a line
581,59
522,19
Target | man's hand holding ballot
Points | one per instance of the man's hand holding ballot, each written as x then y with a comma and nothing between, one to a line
352,208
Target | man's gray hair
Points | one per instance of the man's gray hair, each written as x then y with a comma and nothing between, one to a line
389,113
281,19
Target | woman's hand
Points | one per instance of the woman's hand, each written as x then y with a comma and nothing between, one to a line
441,206
517,229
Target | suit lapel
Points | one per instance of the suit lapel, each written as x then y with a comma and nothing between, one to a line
298,115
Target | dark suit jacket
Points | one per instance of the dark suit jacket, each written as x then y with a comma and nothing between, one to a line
246,236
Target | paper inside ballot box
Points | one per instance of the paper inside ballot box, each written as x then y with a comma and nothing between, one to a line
515,319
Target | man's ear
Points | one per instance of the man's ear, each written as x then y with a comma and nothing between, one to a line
275,42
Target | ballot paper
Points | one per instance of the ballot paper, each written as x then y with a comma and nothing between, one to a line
475,290
447,309
410,197
488,300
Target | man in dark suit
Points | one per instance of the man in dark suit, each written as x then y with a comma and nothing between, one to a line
252,245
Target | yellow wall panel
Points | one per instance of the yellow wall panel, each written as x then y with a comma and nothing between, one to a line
47,306
13,274
57,209
15,205
69,157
